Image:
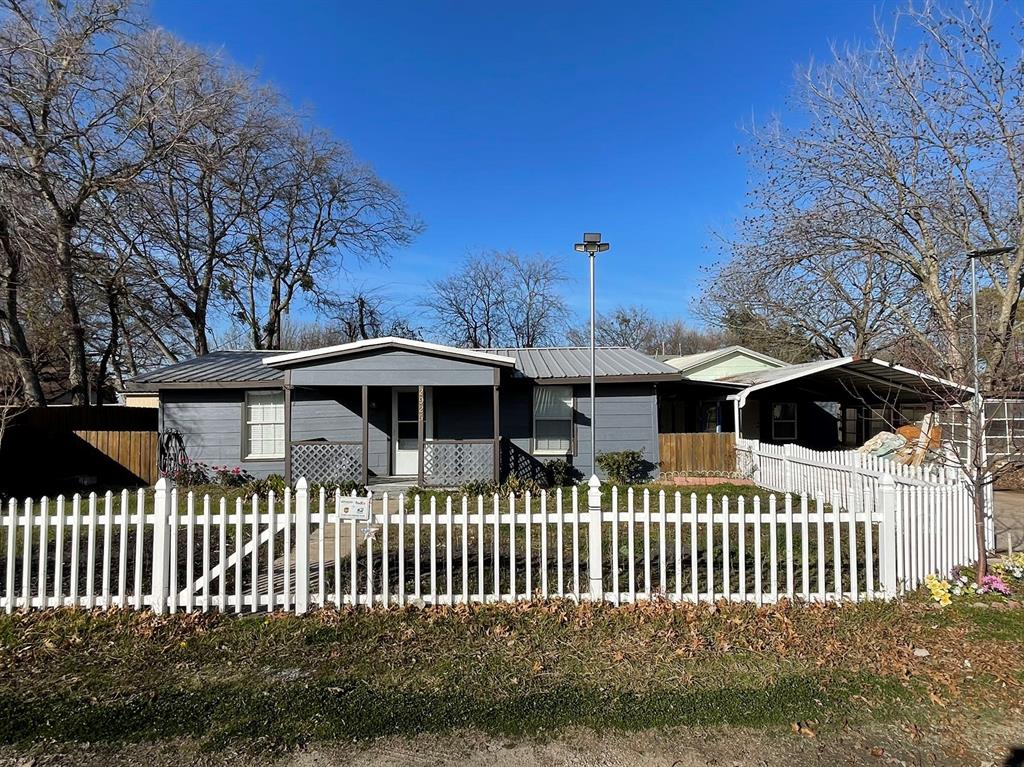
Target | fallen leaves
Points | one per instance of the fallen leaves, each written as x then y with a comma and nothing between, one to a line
804,728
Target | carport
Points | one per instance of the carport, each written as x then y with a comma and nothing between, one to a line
836,403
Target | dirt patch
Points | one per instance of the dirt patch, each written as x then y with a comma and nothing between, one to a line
946,744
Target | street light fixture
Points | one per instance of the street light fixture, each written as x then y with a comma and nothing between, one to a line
592,245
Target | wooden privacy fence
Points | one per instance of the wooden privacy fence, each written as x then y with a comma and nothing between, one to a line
703,453
173,551
63,447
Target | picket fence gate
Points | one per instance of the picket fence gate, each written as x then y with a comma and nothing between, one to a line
174,551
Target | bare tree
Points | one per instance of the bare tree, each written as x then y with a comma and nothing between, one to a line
631,326
839,299
908,155
322,205
635,327
361,315
87,102
12,400
500,299
15,253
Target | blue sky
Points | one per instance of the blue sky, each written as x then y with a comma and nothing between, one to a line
520,125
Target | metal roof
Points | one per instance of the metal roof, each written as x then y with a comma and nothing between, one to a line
387,342
687,362
241,368
858,374
573,362
221,367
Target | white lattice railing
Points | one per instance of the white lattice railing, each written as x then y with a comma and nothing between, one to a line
447,463
326,462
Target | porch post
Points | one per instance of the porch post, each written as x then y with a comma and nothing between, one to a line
497,426
288,428
366,434
421,406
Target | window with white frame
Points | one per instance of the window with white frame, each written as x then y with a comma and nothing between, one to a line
784,421
264,424
552,420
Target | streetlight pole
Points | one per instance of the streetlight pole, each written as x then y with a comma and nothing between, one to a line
977,455
592,245
973,256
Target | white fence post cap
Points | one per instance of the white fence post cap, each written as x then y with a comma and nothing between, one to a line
593,481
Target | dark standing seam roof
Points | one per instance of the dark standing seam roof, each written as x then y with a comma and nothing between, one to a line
574,362
215,367
238,367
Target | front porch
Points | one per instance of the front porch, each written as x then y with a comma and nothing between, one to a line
430,436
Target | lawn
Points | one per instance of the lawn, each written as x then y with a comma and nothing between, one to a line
282,681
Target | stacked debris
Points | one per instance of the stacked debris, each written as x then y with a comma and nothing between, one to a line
912,444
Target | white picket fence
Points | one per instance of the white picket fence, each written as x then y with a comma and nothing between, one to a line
847,476
172,551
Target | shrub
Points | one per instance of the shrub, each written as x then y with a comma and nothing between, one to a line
624,466
263,486
561,473
345,486
477,487
189,474
519,485
231,476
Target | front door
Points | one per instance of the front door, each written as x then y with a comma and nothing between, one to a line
405,431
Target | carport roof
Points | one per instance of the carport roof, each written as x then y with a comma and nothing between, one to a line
855,374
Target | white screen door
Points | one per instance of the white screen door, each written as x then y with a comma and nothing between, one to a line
405,431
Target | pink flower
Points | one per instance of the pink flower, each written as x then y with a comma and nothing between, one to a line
996,584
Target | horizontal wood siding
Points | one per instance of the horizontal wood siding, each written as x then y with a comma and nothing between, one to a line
396,368
698,453
210,422
334,415
627,419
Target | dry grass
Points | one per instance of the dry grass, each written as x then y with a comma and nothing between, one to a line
283,680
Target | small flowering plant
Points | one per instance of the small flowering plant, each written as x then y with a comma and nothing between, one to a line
992,584
231,476
939,590
1011,566
960,585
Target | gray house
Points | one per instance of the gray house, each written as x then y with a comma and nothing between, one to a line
397,408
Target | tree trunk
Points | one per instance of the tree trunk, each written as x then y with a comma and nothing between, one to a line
979,530
78,374
10,319
113,340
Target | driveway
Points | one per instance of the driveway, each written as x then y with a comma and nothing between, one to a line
1009,520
